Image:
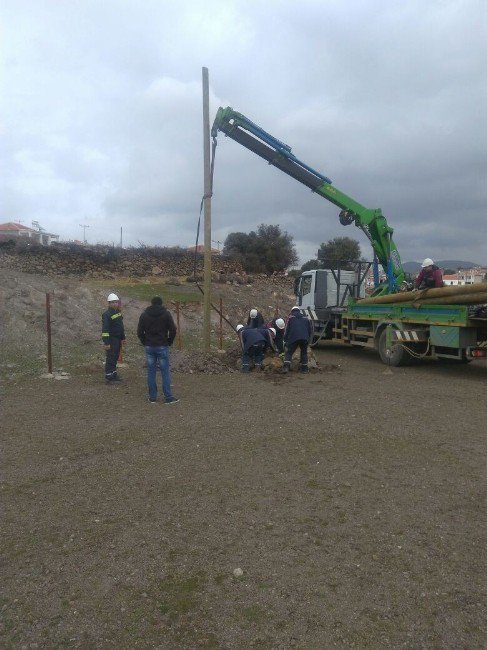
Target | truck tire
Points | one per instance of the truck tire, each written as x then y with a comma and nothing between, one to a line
396,356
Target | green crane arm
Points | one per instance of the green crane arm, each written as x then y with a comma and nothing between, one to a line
371,221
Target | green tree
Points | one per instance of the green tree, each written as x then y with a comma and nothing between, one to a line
341,250
310,265
263,251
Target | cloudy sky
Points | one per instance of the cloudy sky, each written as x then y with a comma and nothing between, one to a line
101,117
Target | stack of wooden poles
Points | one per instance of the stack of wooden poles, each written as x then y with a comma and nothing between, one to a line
469,294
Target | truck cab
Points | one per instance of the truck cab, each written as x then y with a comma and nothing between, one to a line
323,293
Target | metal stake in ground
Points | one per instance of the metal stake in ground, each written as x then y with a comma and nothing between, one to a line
48,329
221,323
178,326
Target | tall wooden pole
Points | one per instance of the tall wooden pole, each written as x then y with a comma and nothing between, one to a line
207,212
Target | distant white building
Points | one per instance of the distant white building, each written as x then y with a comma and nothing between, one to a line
465,276
12,230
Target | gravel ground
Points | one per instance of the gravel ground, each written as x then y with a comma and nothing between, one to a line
351,500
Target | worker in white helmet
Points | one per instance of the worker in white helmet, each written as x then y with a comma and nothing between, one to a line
112,334
255,318
298,333
278,324
430,276
254,341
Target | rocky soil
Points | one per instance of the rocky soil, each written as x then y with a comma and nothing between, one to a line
339,509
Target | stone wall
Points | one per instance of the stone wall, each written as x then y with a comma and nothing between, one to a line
107,262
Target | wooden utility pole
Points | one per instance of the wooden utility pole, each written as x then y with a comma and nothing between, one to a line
207,212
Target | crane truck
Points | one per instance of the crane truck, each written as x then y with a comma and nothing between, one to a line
331,298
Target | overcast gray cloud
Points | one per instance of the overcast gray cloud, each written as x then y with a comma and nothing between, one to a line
102,117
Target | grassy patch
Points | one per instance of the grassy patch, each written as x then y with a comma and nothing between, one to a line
146,290
253,614
179,595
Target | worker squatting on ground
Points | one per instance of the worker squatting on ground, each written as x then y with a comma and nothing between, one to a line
297,334
255,341
430,277
156,331
255,319
112,334
278,324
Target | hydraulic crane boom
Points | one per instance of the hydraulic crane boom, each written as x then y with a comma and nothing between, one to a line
371,221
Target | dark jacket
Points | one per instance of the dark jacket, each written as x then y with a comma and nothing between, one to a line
279,338
429,279
112,325
156,327
298,328
258,321
250,336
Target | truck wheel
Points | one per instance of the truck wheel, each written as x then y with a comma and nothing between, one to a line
396,356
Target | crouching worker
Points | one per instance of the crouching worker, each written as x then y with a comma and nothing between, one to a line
255,319
278,325
156,332
297,334
255,342
430,276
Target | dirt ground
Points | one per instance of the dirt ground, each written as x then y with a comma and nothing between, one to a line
351,499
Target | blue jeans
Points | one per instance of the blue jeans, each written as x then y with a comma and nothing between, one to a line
158,355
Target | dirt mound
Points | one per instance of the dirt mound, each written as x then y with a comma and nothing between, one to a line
195,361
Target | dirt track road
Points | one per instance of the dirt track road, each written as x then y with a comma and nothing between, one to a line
352,500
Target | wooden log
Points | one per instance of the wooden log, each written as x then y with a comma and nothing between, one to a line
426,294
456,299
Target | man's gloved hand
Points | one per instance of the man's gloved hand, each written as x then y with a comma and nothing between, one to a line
106,346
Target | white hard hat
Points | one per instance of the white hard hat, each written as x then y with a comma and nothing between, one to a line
280,323
272,331
239,327
427,262
112,297
296,307
253,313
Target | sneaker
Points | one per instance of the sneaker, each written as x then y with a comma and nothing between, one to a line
172,400
152,400
285,369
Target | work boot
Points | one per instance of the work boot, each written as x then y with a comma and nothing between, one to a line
304,369
113,379
286,368
245,369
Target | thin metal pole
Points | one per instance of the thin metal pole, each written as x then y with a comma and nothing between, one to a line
120,354
48,328
178,327
221,323
207,212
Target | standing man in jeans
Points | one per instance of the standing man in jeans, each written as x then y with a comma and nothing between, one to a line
156,332
112,335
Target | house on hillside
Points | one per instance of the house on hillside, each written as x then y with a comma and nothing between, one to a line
465,276
12,230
